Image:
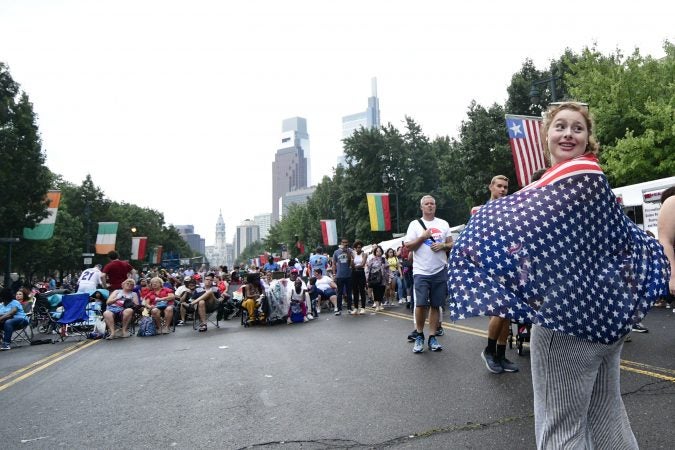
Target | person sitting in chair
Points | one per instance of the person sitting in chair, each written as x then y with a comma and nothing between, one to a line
185,299
159,301
253,294
325,287
120,308
12,317
205,300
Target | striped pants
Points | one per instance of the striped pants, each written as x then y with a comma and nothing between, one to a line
577,397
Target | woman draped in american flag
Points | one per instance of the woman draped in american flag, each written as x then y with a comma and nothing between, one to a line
561,254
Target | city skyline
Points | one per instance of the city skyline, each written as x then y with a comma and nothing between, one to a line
196,90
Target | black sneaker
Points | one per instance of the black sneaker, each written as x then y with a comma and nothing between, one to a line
639,328
412,336
440,331
507,365
491,363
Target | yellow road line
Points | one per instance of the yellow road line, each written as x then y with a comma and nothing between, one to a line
647,366
45,362
645,369
649,373
37,363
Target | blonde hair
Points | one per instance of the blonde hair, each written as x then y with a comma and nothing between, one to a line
498,177
157,280
592,145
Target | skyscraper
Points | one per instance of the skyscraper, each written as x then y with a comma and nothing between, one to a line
370,118
248,232
264,222
290,169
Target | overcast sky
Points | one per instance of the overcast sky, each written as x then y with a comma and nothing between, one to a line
177,105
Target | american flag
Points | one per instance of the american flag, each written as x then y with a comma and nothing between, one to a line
560,253
528,153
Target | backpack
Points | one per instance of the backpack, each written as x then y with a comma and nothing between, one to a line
146,327
296,315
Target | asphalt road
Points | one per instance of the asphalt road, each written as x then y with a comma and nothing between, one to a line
336,382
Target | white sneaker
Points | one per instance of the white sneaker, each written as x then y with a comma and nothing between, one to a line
362,311
335,309
310,317
353,311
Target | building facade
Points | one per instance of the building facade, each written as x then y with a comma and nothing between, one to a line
194,240
217,254
369,119
290,167
297,197
264,222
247,233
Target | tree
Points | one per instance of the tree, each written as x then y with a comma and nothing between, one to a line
632,100
25,177
481,152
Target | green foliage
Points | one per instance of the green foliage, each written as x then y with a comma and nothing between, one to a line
253,250
632,100
25,178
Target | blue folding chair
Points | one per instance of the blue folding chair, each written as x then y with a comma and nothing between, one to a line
75,318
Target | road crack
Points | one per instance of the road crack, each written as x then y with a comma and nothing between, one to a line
351,444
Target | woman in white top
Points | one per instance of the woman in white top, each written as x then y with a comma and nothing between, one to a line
359,260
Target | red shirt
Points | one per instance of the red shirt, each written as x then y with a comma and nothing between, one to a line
152,297
116,272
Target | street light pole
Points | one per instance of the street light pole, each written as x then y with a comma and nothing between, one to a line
385,181
551,81
398,218
8,269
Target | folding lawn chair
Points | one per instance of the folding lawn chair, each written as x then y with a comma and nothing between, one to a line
25,334
75,318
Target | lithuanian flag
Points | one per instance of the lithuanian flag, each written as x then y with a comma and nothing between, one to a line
378,207
107,235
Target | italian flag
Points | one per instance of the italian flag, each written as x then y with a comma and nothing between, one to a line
329,232
45,229
138,247
378,208
156,255
107,234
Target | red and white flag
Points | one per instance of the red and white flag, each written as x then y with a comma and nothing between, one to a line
329,232
526,146
138,248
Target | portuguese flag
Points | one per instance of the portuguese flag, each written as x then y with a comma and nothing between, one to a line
378,208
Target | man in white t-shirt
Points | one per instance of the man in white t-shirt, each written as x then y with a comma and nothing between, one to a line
429,239
89,280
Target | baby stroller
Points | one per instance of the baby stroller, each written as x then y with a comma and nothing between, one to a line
523,331
47,310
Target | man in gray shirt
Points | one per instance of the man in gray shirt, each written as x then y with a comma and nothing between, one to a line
342,261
